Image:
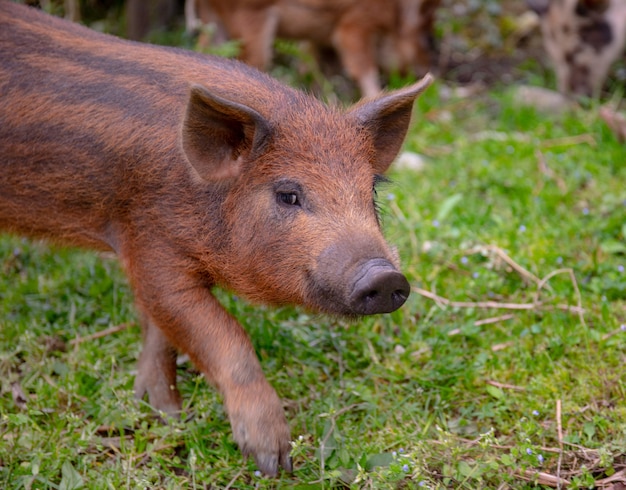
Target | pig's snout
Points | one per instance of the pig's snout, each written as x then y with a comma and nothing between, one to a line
378,288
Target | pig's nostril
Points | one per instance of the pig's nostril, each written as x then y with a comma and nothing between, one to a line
370,296
399,297
379,288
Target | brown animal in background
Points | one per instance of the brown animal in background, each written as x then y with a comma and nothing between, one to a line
197,172
395,35
583,38
142,16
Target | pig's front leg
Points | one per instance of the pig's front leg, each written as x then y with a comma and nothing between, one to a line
193,321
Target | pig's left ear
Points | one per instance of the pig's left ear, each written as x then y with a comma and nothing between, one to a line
387,119
216,132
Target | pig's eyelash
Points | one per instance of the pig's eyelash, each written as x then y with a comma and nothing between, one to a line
380,179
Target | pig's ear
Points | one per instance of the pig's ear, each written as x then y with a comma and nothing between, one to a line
217,132
387,119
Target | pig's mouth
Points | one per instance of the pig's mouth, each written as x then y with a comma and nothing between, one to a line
372,287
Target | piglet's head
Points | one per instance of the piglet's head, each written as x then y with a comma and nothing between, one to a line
298,213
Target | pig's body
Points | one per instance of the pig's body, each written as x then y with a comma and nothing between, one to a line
196,171
395,35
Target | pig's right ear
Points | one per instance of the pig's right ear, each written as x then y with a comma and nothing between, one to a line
387,119
217,133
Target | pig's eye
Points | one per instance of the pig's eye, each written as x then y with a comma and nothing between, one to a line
288,193
290,198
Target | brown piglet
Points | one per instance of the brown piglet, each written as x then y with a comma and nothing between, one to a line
198,172
368,35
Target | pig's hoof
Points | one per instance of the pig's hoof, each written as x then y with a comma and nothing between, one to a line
163,398
269,446
261,431
270,462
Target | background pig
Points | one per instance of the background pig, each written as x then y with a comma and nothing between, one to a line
582,38
367,34
198,172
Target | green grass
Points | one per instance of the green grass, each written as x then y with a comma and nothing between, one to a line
456,395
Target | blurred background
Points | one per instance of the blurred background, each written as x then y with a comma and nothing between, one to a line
473,43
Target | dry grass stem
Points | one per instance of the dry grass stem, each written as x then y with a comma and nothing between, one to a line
495,304
544,478
579,299
501,254
502,346
548,172
505,386
234,479
528,277
495,319
98,335
559,431
617,331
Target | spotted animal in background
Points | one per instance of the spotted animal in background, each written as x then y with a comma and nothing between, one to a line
583,38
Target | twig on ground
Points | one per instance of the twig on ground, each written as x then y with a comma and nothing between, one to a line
495,304
559,431
613,333
496,319
502,346
102,333
544,478
548,172
505,386
556,481
475,442
235,478
526,275
572,276
619,477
